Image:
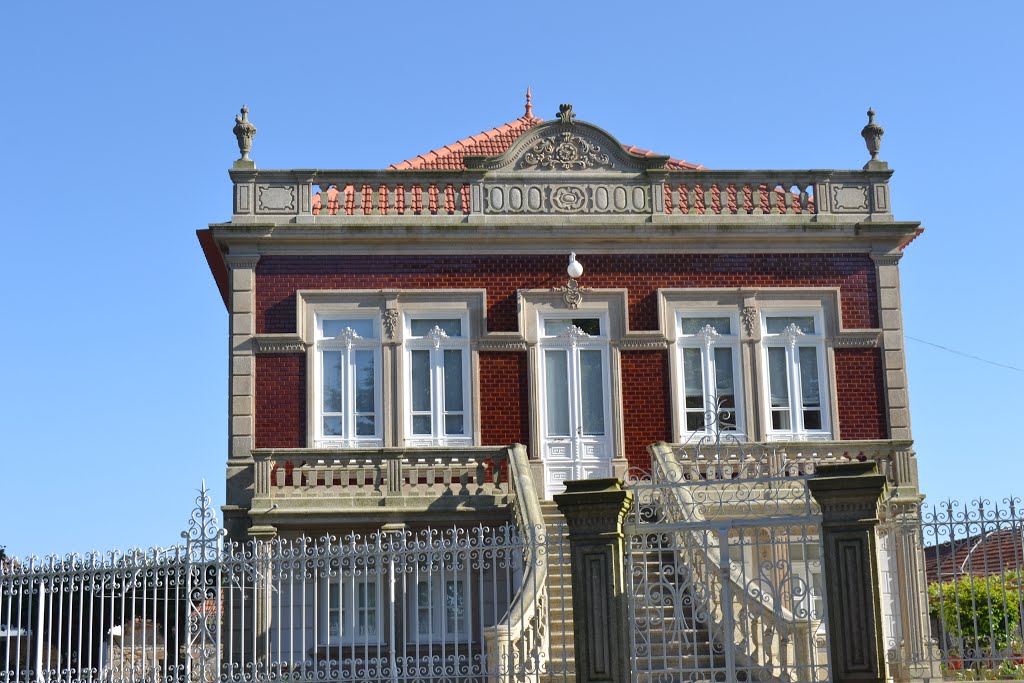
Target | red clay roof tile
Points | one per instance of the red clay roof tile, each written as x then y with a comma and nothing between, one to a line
495,141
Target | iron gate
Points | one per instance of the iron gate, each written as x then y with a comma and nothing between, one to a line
724,564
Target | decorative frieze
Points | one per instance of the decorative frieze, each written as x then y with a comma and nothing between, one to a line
562,198
494,345
642,345
278,343
860,339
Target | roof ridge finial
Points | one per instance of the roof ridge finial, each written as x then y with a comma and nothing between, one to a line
529,104
872,134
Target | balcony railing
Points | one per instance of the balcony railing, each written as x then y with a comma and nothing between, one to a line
336,197
294,480
743,460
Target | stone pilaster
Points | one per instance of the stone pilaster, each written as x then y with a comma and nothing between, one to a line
894,358
242,376
848,495
594,510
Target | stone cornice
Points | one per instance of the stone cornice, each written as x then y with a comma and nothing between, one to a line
242,261
857,339
886,259
641,344
278,343
499,345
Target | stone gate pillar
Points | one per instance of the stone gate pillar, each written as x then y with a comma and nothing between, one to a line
594,510
848,495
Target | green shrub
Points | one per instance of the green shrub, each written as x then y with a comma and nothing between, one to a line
980,613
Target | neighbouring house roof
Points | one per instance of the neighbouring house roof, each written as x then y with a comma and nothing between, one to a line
993,552
493,142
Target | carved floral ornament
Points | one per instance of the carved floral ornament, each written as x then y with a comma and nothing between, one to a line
565,152
707,335
748,316
573,335
391,317
436,335
572,293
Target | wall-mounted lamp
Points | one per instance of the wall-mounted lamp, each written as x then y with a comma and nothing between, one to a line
575,268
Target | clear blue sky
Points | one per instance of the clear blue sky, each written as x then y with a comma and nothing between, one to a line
115,140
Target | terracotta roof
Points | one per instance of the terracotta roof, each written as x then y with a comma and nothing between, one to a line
495,141
985,554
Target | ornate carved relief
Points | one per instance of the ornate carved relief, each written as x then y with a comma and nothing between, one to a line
275,198
748,317
566,152
391,316
856,340
572,293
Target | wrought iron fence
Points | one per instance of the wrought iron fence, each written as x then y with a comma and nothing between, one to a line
969,583
726,571
391,605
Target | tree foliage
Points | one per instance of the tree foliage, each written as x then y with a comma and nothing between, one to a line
980,613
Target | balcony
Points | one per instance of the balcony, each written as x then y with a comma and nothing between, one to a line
300,484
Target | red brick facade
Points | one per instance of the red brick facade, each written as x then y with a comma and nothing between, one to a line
860,394
281,401
280,410
504,399
278,277
646,410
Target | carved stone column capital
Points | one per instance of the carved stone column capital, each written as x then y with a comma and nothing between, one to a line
242,261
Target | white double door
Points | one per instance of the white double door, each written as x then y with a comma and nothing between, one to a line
576,420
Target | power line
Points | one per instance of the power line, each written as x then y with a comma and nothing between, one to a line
966,355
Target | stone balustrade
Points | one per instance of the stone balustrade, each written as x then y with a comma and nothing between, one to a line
336,480
740,460
330,197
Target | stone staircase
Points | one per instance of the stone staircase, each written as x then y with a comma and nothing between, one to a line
561,656
678,644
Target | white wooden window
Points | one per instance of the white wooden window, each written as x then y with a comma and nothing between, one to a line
437,380
352,610
440,609
709,373
795,375
348,382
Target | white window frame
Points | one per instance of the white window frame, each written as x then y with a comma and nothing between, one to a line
707,341
347,588
436,343
792,339
439,631
347,343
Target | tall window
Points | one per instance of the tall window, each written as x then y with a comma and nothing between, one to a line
349,359
437,381
440,609
794,347
709,363
352,610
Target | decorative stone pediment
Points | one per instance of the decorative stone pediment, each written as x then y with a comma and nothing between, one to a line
566,148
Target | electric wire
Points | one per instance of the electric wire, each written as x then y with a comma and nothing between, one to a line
966,355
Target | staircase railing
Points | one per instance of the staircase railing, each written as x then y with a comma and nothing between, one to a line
517,645
749,621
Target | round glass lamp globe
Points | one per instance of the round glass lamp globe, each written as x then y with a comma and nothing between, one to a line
575,268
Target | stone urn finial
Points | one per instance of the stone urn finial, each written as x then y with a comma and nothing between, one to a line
245,132
872,134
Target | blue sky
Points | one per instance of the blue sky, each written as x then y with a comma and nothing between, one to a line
115,140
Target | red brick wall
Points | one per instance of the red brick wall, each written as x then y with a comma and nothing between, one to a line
281,401
860,393
646,410
277,278
280,379
504,399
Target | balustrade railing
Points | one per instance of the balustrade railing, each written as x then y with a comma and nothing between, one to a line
707,193
734,459
338,196
393,475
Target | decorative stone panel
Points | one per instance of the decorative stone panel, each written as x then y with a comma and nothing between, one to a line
566,198
275,199
850,198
